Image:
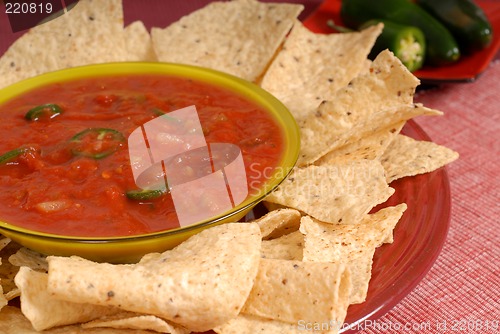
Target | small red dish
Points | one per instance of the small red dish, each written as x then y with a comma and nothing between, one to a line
467,69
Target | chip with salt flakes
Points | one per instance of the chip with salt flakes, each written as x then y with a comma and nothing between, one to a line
238,37
291,291
217,268
90,33
335,193
408,157
353,244
312,67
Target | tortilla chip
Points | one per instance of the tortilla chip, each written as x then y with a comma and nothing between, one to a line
312,67
3,300
408,157
279,222
44,311
237,37
12,321
4,242
90,33
370,147
293,291
353,245
200,284
248,324
138,43
370,103
287,247
336,193
25,257
7,270
129,320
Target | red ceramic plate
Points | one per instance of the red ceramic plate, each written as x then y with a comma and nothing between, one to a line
468,68
418,239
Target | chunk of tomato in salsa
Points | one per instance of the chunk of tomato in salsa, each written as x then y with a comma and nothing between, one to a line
70,174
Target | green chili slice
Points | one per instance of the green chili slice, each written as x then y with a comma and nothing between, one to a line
144,194
160,113
97,143
12,155
46,111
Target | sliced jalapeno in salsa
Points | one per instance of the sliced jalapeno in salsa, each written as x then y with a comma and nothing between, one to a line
97,143
12,155
46,111
145,194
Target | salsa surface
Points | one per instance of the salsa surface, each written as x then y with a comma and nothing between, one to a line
57,184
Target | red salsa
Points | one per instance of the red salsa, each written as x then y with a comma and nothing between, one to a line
64,160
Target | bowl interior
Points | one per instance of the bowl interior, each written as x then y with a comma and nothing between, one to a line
114,247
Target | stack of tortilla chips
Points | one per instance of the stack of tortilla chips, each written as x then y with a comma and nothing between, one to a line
302,264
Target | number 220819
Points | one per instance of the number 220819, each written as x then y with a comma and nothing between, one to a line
28,8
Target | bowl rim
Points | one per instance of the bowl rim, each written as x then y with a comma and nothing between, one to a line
249,90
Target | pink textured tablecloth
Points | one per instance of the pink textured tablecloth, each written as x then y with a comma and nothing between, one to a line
461,291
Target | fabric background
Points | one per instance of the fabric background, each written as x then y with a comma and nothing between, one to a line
461,291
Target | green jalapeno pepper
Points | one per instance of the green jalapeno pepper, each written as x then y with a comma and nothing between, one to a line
442,47
14,154
464,19
96,143
48,111
406,42
145,194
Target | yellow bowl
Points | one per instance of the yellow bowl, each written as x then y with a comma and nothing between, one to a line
131,248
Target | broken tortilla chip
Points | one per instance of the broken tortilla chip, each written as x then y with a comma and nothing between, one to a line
312,67
408,157
90,33
44,311
192,285
286,247
129,320
249,324
12,321
369,103
335,193
138,43
237,37
277,223
291,291
26,257
371,147
353,245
